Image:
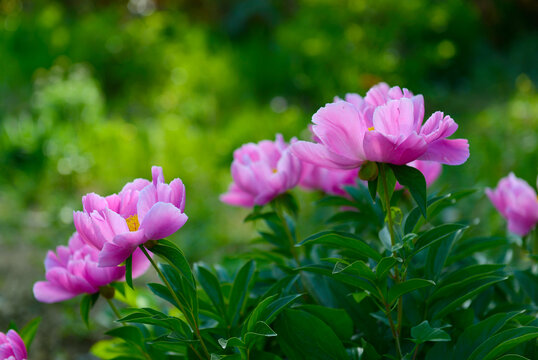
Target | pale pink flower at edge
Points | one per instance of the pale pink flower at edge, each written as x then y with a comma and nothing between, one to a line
12,346
261,172
516,201
142,211
73,270
386,126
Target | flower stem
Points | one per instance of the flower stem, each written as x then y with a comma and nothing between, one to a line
192,321
113,307
280,214
390,224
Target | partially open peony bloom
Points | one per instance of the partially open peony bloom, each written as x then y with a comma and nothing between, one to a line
261,172
330,181
73,270
430,169
516,201
385,126
12,347
142,211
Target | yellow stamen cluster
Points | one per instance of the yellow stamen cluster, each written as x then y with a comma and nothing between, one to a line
275,171
371,128
132,222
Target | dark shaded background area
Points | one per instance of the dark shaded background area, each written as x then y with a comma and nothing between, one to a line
92,93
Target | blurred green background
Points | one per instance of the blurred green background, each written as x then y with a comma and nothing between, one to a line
92,93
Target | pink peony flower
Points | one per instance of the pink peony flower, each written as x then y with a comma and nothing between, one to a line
142,211
73,270
12,347
516,201
330,181
430,169
385,126
261,172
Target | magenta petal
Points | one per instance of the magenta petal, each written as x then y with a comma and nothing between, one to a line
92,201
447,151
237,197
140,263
17,345
318,155
157,175
46,292
162,220
409,150
377,147
146,199
113,255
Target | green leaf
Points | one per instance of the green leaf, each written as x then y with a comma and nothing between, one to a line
162,292
304,336
463,293
260,330
268,309
288,202
434,235
358,268
337,319
473,245
211,286
372,188
27,333
342,240
240,290
129,271
263,216
127,333
476,334
505,340
335,201
353,280
384,266
438,254
87,302
413,179
423,332
513,357
175,257
406,287
232,342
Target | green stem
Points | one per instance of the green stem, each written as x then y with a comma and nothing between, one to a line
113,307
291,241
192,322
383,176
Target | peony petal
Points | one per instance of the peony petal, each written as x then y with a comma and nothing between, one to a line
140,263
47,292
146,199
113,255
157,175
162,220
177,197
237,197
340,128
17,345
317,154
447,151
377,147
92,201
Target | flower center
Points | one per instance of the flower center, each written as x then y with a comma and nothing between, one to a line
275,171
132,222
371,128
